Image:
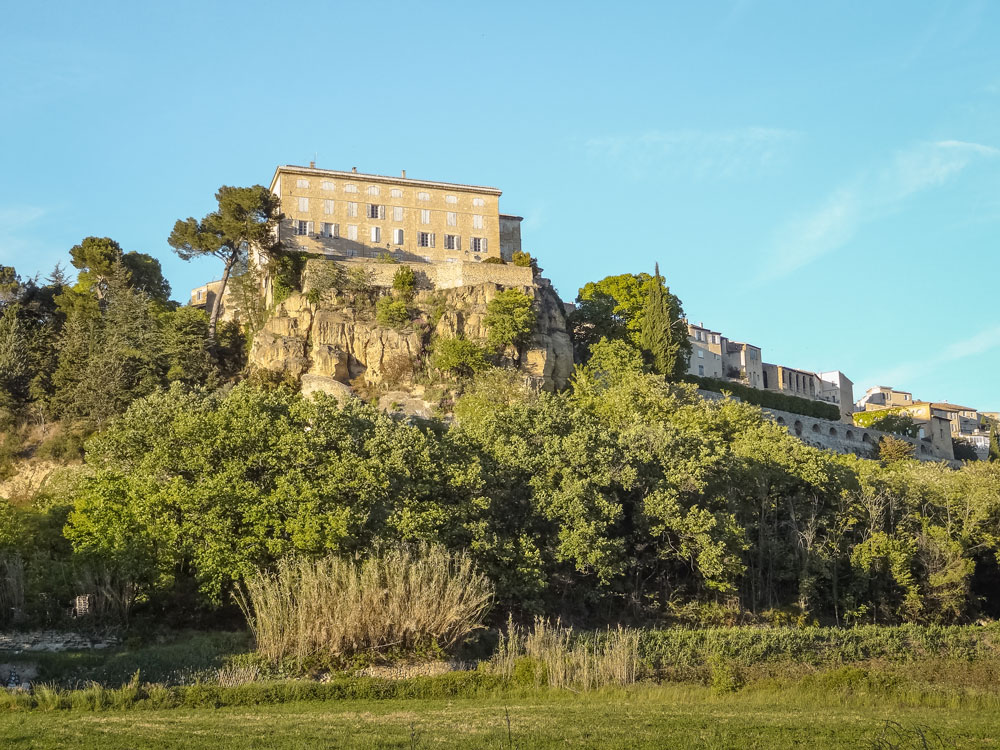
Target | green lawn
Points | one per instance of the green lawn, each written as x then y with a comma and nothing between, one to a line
670,716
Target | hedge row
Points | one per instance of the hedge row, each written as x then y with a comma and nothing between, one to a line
769,399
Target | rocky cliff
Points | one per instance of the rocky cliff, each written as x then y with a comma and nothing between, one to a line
329,343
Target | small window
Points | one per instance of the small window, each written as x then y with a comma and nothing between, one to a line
375,211
451,199
425,216
376,234
350,188
396,193
352,209
327,185
701,354
477,221
201,294
303,205
328,207
397,236
373,190
478,244
352,232
423,196
452,242
452,219
397,213
701,370
330,230
302,183
478,202
301,228
425,239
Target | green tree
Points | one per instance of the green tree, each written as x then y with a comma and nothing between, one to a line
404,281
510,320
458,356
994,444
186,348
887,420
391,313
664,336
246,220
96,257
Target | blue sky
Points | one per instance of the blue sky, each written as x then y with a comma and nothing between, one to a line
819,179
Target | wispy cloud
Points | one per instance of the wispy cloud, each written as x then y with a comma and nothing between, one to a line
873,194
984,341
695,154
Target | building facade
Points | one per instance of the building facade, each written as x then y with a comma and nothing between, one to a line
356,215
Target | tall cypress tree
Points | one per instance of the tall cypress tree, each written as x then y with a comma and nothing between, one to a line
994,444
664,335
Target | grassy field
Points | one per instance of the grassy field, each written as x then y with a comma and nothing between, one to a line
669,716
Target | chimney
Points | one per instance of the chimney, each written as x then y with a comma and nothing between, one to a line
354,170
404,173
312,165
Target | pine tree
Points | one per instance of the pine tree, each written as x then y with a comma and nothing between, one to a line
663,335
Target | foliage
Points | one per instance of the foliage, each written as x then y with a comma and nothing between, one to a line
663,335
510,320
893,449
458,357
385,257
494,260
887,420
404,281
402,599
769,399
391,313
964,450
246,220
994,454
525,260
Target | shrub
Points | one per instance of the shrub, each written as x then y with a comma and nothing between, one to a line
510,318
384,257
64,445
391,313
769,399
496,261
403,281
405,599
397,369
459,357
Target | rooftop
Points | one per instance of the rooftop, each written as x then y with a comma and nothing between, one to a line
382,178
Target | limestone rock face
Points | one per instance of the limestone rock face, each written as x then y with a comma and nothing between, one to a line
331,341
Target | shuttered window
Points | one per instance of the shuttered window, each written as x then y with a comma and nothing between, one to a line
352,209
328,207
352,232
301,183
397,213
425,216
397,236
303,205
452,219
477,221
396,193
376,234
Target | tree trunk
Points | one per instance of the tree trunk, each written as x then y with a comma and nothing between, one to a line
217,305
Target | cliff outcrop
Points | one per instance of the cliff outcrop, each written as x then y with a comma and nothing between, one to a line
335,339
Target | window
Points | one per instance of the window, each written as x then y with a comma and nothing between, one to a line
451,199
301,183
352,232
423,196
350,188
397,236
701,370
376,212
478,202
425,216
479,244
328,207
477,221
329,230
352,209
327,185
376,234
373,190
303,205
425,239
715,339
452,219
201,294
452,242
396,193
301,228
397,213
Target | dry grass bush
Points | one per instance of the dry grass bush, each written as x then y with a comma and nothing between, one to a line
549,654
403,600
233,675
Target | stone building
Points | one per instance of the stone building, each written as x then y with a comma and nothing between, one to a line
352,214
833,387
204,296
881,397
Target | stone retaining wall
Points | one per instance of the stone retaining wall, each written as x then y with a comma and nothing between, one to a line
434,275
